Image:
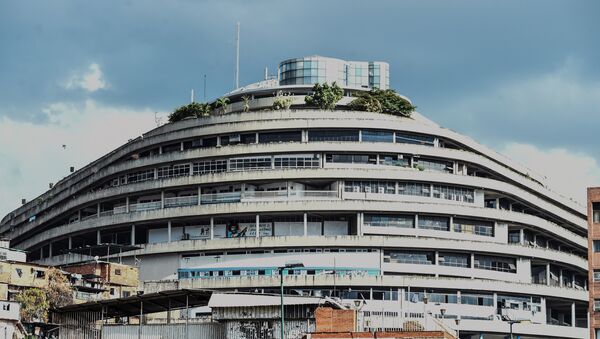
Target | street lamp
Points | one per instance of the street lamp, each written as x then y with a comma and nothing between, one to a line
457,320
280,270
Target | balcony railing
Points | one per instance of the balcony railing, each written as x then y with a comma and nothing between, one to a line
181,201
219,198
145,206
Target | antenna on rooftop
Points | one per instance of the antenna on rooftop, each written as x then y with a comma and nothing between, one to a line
204,87
237,56
266,73
192,96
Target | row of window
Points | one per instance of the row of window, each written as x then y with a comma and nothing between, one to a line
271,271
492,263
453,193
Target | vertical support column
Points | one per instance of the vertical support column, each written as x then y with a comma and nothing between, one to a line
212,227
141,316
548,274
416,221
359,223
127,204
472,265
98,213
257,225
181,149
560,278
431,191
305,224
199,195
451,225
169,231
256,138
359,135
42,252
132,235
522,237
573,314
79,215
156,173
495,299
49,250
70,243
98,238
160,150
162,199
497,203
535,240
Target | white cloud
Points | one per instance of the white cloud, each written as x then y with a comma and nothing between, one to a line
31,156
569,173
91,80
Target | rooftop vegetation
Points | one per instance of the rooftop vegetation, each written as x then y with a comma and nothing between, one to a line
324,96
382,101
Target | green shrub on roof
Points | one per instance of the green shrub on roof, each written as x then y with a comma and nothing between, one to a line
382,101
194,109
324,96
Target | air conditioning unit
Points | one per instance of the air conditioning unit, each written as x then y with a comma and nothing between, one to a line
356,189
381,190
368,189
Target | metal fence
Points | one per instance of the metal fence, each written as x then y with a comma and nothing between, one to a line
164,331
268,329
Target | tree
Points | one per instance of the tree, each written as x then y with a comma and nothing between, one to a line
34,305
246,103
389,101
193,109
221,104
58,291
324,96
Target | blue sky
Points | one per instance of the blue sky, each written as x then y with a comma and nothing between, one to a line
520,77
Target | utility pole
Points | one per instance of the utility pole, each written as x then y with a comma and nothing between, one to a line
237,56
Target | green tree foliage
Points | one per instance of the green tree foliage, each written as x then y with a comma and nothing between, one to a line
194,109
282,101
221,104
389,102
34,305
324,96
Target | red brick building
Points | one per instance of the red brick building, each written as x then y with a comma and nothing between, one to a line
594,259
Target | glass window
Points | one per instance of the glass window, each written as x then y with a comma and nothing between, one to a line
390,220
409,138
434,223
596,244
433,165
454,193
380,187
477,299
414,188
454,259
332,135
377,136
596,212
596,275
478,227
140,176
288,136
351,158
496,263
173,171
409,257
210,166
297,161
250,163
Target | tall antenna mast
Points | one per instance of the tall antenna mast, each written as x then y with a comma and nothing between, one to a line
237,56
192,96
204,87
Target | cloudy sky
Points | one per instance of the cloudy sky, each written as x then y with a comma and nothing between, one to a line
522,77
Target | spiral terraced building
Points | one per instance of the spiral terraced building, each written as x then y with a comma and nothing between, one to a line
405,215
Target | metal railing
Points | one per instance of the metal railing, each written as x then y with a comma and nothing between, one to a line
218,198
181,201
145,206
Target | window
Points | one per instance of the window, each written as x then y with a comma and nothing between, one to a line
251,163
596,212
414,188
140,176
173,171
117,271
434,165
377,136
390,220
596,305
454,259
297,161
351,158
434,223
405,257
477,299
379,187
454,193
485,228
596,276
332,135
496,263
126,294
408,138
289,136
596,244
210,166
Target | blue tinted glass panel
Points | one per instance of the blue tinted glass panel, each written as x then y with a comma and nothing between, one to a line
377,136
